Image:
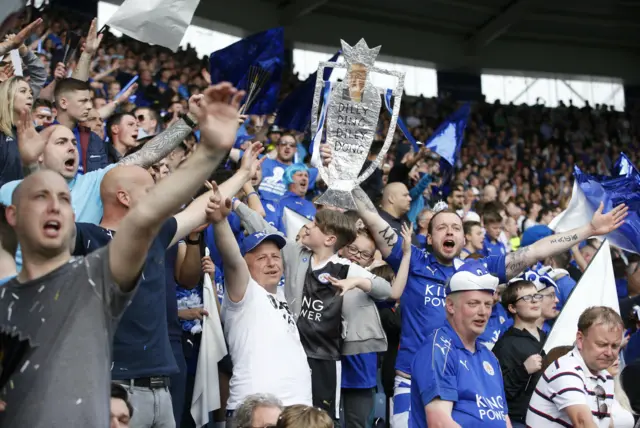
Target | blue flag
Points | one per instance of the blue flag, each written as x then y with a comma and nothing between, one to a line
613,191
238,63
447,139
294,112
624,166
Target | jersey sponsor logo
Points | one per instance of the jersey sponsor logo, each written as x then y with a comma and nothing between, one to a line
312,309
434,295
488,368
491,408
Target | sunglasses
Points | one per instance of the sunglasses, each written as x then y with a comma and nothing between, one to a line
601,396
530,298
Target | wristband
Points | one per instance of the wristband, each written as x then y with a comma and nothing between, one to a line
188,121
193,241
252,193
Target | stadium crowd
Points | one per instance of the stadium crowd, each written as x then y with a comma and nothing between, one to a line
109,236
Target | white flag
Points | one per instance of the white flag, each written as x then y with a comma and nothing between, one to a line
578,213
206,391
158,22
597,287
293,222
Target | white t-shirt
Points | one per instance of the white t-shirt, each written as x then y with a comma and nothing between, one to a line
265,348
568,382
622,418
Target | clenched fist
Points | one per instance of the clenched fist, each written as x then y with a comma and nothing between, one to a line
533,363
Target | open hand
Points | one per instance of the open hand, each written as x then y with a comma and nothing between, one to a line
406,234
601,224
217,114
217,209
92,43
125,96
250,162
344,285
18,40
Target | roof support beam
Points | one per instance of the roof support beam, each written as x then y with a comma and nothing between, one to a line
297,9
498,24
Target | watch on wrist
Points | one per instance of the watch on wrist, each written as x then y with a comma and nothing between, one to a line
193,241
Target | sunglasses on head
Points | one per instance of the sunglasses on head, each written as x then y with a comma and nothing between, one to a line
601,396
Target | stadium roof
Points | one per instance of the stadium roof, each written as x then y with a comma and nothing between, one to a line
594,37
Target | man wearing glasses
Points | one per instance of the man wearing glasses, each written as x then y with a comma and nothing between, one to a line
519,350
576,389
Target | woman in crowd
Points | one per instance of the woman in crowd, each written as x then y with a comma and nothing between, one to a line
15,97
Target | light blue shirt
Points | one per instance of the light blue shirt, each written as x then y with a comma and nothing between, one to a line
85,198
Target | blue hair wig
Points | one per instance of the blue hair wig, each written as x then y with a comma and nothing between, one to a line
287,178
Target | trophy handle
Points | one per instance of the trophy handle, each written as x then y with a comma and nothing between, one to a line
315,108
397,98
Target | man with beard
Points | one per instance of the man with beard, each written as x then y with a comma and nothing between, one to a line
272,187
296,178
424,297
56,364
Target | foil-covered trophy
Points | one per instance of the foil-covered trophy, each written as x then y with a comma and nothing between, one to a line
352,112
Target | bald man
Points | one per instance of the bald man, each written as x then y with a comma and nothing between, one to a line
143,359
394,207
63,312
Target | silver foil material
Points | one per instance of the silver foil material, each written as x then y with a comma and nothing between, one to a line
353,109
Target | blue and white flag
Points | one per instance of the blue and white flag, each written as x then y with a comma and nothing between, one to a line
589,191
447,139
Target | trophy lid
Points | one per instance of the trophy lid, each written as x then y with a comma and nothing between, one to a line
360,53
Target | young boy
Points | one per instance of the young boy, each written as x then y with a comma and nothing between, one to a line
493,226
474,238
331,323
519,351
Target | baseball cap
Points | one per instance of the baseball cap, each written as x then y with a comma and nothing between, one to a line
471,216
252,241
472,276
540,279
534,234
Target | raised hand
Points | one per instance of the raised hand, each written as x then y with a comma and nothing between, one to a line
206,76
406,238
208,266
217,114
325,154
601,224
217,208
16,41
250,162
125,96
92,43
344,285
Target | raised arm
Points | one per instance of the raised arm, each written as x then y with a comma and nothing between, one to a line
217,113
236,272
30,142
108,109
400,281
91,45
382,233
16,41
194,215
164,143
601,224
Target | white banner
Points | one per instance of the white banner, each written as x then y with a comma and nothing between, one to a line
293,222
597,287
158,22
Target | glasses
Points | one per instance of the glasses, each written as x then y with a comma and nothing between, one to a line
530,298
601,396
354,251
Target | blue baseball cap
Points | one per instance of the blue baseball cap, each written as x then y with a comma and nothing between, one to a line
534,234
472,276
252,241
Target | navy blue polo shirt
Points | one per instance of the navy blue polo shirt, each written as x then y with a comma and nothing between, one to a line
443,368
174,326
141,345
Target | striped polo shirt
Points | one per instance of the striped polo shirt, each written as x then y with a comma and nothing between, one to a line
568,382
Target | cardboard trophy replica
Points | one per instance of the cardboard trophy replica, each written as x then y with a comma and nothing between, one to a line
351,111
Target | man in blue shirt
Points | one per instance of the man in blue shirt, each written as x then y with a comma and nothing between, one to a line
272,187
296,178
456,379
493,226
59,153
423,299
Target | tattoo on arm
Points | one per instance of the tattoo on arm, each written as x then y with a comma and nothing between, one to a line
27,170
517,262
390,237
160,146
564,239
359,194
